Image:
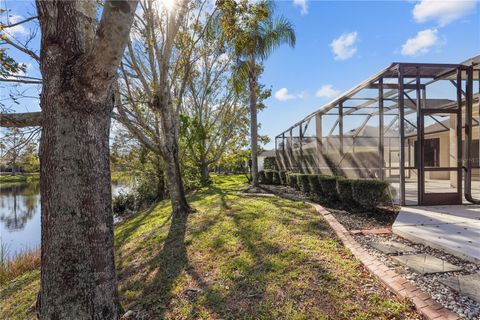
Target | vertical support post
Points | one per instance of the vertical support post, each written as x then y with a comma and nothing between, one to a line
340,126
419,158
469,133
318,133
401,111
381,140
300,131
459,134
284,154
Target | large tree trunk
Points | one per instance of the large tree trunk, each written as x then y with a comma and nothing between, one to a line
78,63
78,270
253,128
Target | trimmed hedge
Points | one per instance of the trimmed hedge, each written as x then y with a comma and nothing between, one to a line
303,183
283,177
329,187
345,190
292,180
316,192
362,192
370,193
268,176
276,178
270,163
262,178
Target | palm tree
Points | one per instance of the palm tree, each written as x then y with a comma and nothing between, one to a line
262,35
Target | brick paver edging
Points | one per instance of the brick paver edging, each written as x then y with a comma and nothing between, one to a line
403,288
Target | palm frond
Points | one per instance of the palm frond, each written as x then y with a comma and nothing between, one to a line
241,72
272,34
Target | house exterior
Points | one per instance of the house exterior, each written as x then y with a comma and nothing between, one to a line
399,125
261,157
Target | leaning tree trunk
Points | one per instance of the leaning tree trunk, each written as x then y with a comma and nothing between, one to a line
78,270
169,126
253,129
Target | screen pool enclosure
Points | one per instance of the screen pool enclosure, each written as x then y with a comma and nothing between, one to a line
415,125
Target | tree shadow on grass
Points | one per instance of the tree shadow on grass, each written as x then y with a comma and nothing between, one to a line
249,278
166,266
132,225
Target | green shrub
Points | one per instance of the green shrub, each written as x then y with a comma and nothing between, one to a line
268,177
370,193
316,192
292,180
123,202
283,177
303,184
345,190
270,163
262,177
276,178
329,187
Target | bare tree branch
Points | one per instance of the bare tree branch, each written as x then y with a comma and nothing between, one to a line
20,120
20,22
22,49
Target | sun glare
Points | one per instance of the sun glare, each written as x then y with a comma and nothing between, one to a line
168,5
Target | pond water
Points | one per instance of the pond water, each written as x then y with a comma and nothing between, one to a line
20,215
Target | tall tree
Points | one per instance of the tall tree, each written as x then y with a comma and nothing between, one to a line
78,61
255,33
155,73
214,113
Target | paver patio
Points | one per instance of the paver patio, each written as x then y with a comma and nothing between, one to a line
424,263
468,285
454,229
392,247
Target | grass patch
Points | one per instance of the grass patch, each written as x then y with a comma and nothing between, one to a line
121,176
19,178
24,261
237,257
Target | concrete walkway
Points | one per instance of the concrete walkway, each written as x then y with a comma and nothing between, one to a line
454,229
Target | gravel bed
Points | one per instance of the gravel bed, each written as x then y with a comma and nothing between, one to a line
450,299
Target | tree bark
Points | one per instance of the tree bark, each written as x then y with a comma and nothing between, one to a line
204,172
253,126
78,269
160,178
169,127
78,63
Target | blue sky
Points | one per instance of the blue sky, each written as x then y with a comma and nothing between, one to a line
339,44
378,33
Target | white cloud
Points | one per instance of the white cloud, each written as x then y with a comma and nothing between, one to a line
303,6
18,30
442,11
344,46
421,43
327,91
283,95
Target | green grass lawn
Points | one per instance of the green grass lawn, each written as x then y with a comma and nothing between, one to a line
236,257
